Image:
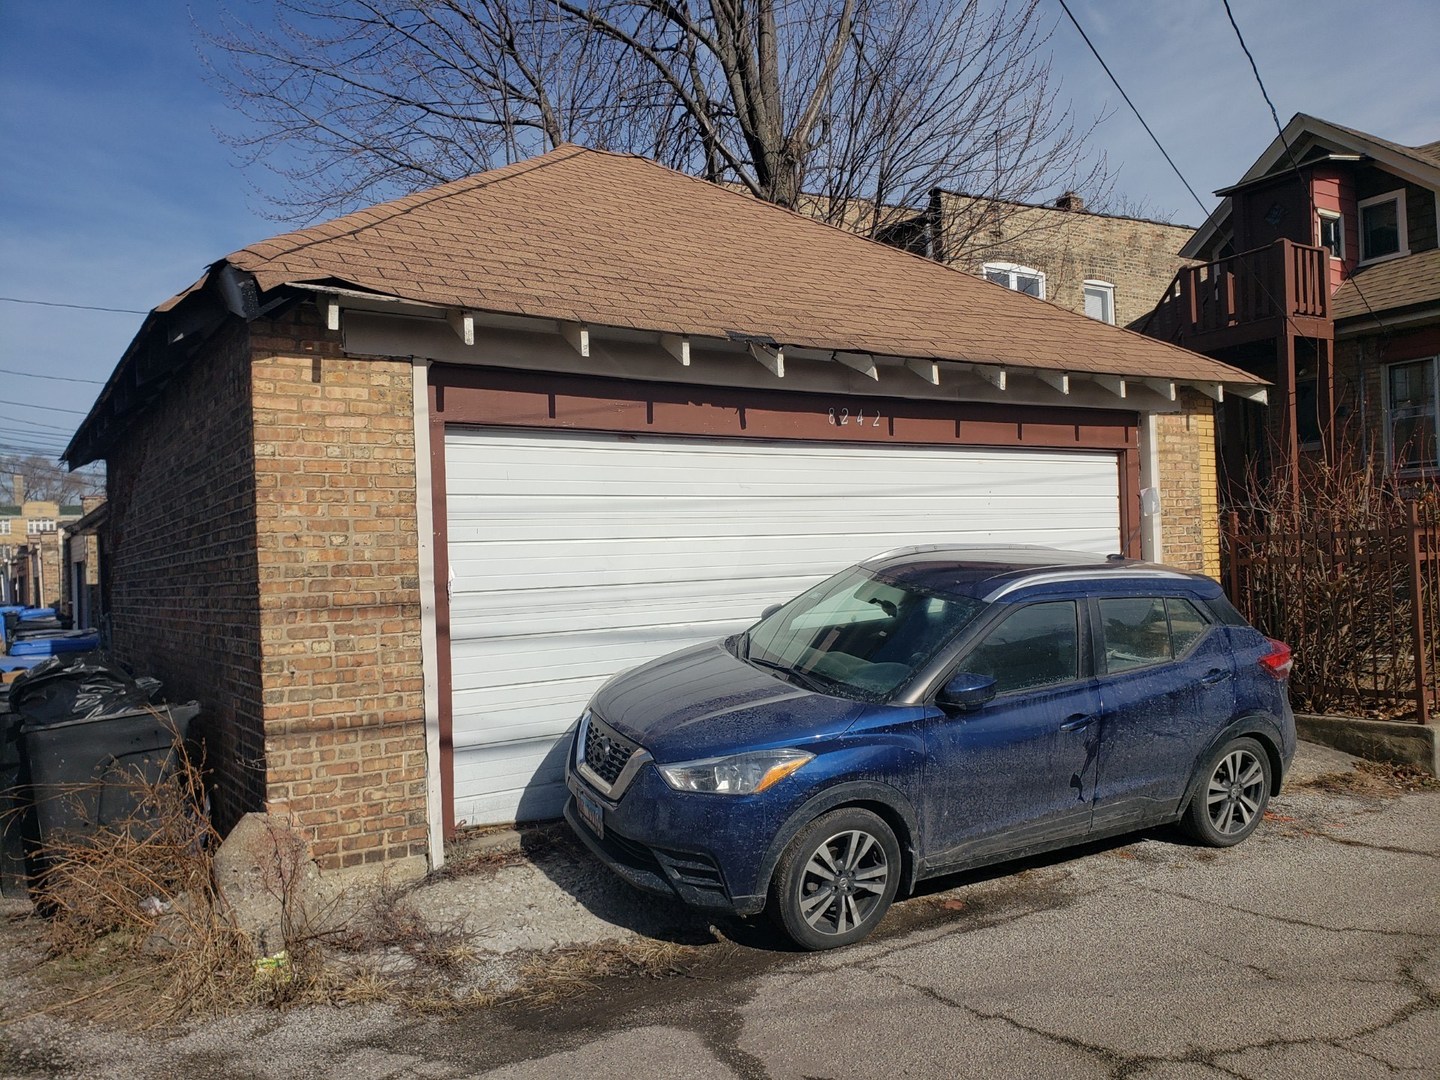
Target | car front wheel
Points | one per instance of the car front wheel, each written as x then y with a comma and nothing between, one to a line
1231,800
836,879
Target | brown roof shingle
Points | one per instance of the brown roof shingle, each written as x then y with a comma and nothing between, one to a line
610,239
1413,279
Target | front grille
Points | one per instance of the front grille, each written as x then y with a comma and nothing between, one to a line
606,750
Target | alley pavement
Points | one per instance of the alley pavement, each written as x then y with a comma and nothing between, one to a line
1311,950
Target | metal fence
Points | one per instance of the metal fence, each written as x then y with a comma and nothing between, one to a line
1359,605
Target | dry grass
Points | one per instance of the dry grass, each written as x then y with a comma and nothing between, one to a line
140,936
1375,779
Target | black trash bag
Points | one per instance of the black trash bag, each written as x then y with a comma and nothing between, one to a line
78,686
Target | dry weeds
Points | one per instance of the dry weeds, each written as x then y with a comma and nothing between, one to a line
1375,779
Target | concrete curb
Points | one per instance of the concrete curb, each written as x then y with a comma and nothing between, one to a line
1378,740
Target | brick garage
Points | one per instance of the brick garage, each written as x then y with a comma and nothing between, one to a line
279,540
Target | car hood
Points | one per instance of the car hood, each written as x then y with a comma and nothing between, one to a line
704,702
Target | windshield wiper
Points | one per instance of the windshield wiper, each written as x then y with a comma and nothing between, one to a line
803,679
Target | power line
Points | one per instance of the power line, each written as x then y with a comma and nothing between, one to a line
34,423
47,408
51,378
77,307
1133,109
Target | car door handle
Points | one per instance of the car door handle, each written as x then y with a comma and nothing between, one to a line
1214,676
1078,721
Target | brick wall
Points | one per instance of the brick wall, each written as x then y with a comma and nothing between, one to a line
339,593
1138,257
1189,506
182,574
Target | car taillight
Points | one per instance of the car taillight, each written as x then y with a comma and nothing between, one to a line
1277,662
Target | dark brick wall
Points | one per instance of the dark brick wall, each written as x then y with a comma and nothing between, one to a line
183,580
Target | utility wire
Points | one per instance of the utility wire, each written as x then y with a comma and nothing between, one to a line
34,423
1133,109
51,378
77,307
47,408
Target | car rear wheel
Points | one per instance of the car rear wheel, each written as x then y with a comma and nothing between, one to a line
1230,801
836,879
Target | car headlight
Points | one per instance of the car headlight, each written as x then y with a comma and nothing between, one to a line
737,774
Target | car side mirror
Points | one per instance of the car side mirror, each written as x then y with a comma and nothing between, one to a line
770,611
966,691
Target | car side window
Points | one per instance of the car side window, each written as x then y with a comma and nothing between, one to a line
1036,646
1136,631
1187,625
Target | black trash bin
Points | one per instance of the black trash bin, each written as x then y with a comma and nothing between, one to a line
89,774
14,807
90,746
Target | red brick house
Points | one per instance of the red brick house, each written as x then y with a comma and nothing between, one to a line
392,495
1320,271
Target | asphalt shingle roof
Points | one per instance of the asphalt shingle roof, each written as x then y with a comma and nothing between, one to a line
1412,279
610,239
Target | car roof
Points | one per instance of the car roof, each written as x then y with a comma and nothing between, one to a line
989,572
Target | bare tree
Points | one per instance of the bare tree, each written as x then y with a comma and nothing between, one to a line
861,105
46,480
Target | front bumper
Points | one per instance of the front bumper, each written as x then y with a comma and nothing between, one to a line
692,876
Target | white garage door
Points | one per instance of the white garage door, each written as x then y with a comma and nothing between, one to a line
574,556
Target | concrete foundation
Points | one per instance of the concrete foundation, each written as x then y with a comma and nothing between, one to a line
1378,740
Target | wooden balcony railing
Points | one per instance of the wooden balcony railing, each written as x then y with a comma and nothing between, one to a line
1247,297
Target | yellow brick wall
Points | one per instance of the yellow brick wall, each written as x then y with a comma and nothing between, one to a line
1189,493
342,683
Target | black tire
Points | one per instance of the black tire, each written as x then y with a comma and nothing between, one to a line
836,879
1230,799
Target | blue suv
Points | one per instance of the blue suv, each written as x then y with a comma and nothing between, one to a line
927,711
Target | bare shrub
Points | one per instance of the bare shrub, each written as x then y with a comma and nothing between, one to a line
1328,572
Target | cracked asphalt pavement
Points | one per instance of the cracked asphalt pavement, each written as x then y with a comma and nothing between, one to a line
1311,950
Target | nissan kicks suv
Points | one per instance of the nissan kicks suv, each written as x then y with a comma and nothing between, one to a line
927,711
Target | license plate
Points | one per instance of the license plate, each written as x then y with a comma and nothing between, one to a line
591,812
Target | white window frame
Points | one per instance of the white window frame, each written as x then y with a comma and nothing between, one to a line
1402,234
4,526
1390,466
1107,289
1013,270
1322,216
39,526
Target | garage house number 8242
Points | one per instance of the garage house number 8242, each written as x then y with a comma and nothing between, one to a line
845,418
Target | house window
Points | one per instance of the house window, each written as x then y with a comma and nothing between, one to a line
1332,233
1382,227
5,527
35,526
1100,301
1410,419
1019,278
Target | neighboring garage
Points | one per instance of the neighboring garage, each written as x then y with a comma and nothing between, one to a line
392,495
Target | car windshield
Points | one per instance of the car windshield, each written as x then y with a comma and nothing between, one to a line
857,635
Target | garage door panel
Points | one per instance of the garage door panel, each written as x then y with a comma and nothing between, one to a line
574,556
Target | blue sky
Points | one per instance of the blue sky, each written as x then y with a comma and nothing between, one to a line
116,191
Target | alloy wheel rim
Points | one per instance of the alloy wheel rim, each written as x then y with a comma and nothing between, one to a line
843,882
1236,792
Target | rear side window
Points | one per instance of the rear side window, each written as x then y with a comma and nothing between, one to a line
1187,625
1143,630
1036,646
